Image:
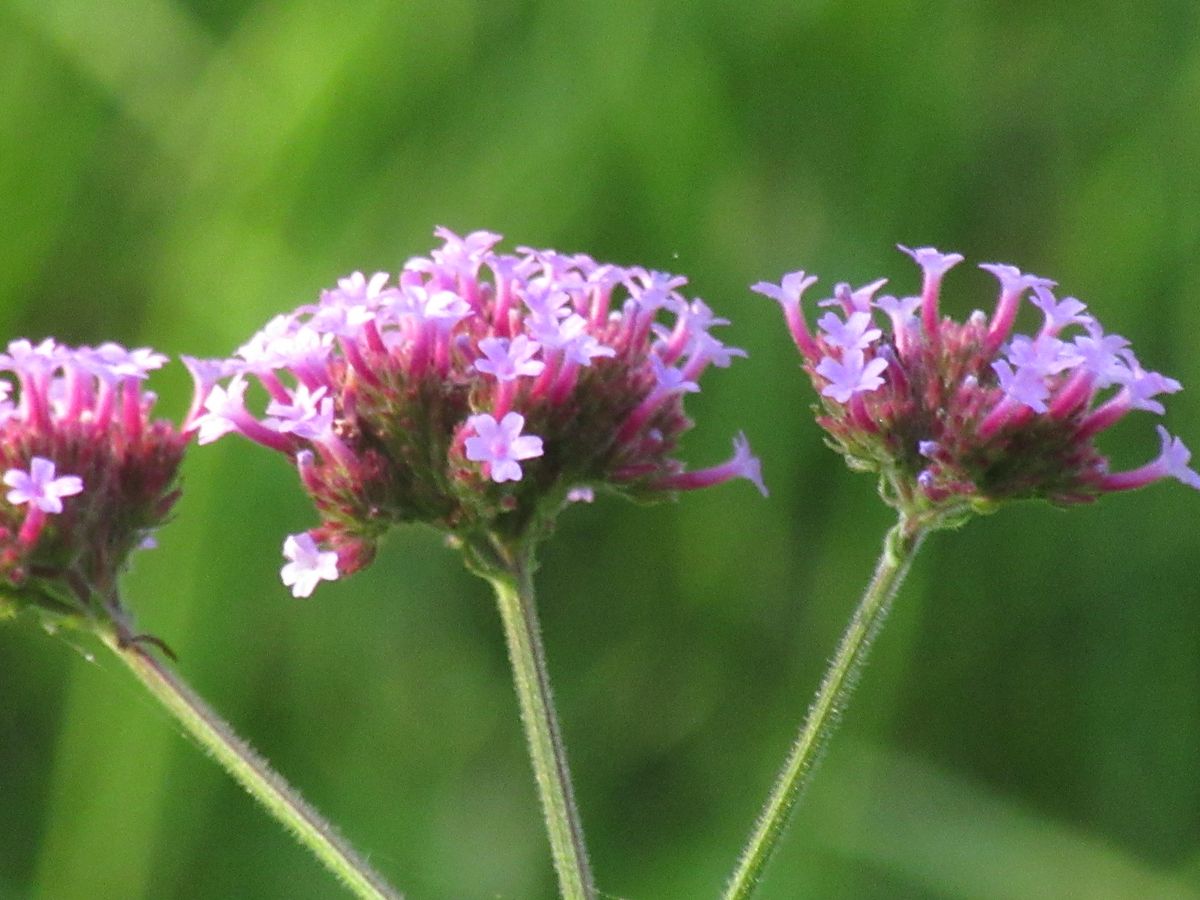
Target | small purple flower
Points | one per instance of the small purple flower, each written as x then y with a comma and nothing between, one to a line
501,445
309,414
934,265
355,290
507,360
852,301
850,375
222,406
856,333
932,261
788,293
1013,284
1172,462
40,487
464,254
308,565
1025,385
1175,458
1059,314
743,464
1101,356
23,357
670,379
111,362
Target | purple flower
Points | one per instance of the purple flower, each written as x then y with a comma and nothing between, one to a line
39,487
788,293
408,399
1101,356
1059,314
852,301
953,415
932,261
355,290
82,432
850,375
934,264
111,362
308,565
309,414
856,333
1172,462
1013,284
670,379
743,464
501,445
507,360
1025,385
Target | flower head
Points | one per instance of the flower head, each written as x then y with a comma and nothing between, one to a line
90,474
477,391
964,415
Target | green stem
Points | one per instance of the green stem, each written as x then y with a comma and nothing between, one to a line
899,548
251,771
514,595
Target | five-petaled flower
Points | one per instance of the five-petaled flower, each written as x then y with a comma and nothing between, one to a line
308,565
39,487
501,445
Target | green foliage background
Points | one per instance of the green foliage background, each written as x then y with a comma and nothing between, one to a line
173,173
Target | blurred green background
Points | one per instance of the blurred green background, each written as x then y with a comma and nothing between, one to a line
174,172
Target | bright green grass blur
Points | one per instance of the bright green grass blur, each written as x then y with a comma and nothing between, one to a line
174,173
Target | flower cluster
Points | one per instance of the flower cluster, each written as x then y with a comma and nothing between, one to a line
956,415
476,392
89,474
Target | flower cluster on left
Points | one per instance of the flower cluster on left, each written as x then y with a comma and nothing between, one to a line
89,476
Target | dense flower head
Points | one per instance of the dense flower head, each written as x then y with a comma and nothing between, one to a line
964,415
89,474
476,391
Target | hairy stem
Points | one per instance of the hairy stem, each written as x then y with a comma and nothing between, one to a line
514,595
251,771
899,548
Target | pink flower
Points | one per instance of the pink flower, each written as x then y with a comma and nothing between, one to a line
39,487
478,392
90,474
501,445
956,414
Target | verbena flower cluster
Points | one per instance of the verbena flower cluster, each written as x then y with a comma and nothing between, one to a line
89,473
477,392
964,415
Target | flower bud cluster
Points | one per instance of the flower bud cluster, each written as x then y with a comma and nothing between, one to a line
477,392
89,474
964,415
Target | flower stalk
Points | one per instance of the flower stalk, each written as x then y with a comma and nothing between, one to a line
250,770
513,584
899,548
